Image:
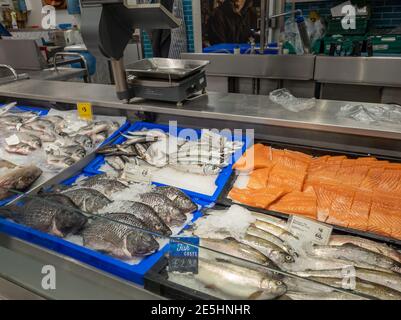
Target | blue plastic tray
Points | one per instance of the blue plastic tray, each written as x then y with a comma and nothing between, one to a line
94,166
134,273
43,112
228,48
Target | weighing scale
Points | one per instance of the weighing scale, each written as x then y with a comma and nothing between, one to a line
108,26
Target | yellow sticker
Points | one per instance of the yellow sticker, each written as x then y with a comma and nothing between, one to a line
85,110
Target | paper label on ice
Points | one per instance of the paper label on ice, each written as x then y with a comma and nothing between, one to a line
184,254
135,173
12,140
309,231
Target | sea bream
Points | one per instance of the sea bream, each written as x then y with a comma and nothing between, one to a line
164,207
56,216
120,235
103,184
88,200
143,212
179,198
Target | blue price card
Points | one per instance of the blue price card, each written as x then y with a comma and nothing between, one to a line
183,255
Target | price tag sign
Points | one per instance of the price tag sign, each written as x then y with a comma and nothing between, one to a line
85,110
183,255
135,173
309,231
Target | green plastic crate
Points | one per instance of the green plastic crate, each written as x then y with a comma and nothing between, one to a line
386,44
334,26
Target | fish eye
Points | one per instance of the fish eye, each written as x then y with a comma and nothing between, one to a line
279,283
288,258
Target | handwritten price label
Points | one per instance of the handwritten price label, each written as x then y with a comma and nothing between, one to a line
85,110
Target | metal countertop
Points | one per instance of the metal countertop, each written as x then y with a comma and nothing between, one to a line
251,109
62,73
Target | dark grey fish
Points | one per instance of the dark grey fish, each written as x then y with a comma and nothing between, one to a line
18,179
88,200
55,214
103,184
146,214
179,198
164,207
117,239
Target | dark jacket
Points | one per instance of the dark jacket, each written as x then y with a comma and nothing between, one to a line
161,38
227,26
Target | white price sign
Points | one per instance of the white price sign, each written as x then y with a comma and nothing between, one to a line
309,231
136,173
12,140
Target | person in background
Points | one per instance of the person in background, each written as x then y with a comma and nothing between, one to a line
232,22
170,43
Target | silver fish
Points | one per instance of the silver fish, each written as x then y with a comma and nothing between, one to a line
94,128
19,179
363,287
88,200
269,249
237,281
44,136
120,240
275,230
164,207
179,198
48,215
115,162
237,249
323,296
381,248
20,148
31,140
252,230
203,169
60,161
357,255
391,280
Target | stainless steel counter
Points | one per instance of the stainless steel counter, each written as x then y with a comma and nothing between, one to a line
21,276
62,73
250,109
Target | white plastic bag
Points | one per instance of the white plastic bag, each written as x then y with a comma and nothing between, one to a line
284,98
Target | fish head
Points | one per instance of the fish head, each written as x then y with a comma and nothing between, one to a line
177,218
187,205
276,287
281,257
70,221
140,243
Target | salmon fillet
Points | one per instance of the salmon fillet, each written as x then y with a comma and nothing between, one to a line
294,160
344,173
358,215
258,178
359,174
325,195
382,214
282,177
340,206
302,203
372,180
336,160
389,179
256,157
260,198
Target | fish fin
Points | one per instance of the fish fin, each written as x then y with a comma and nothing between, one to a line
230,238
255,295
210,286
8,211
222,260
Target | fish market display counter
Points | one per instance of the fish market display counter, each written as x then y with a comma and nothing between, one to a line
245,234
